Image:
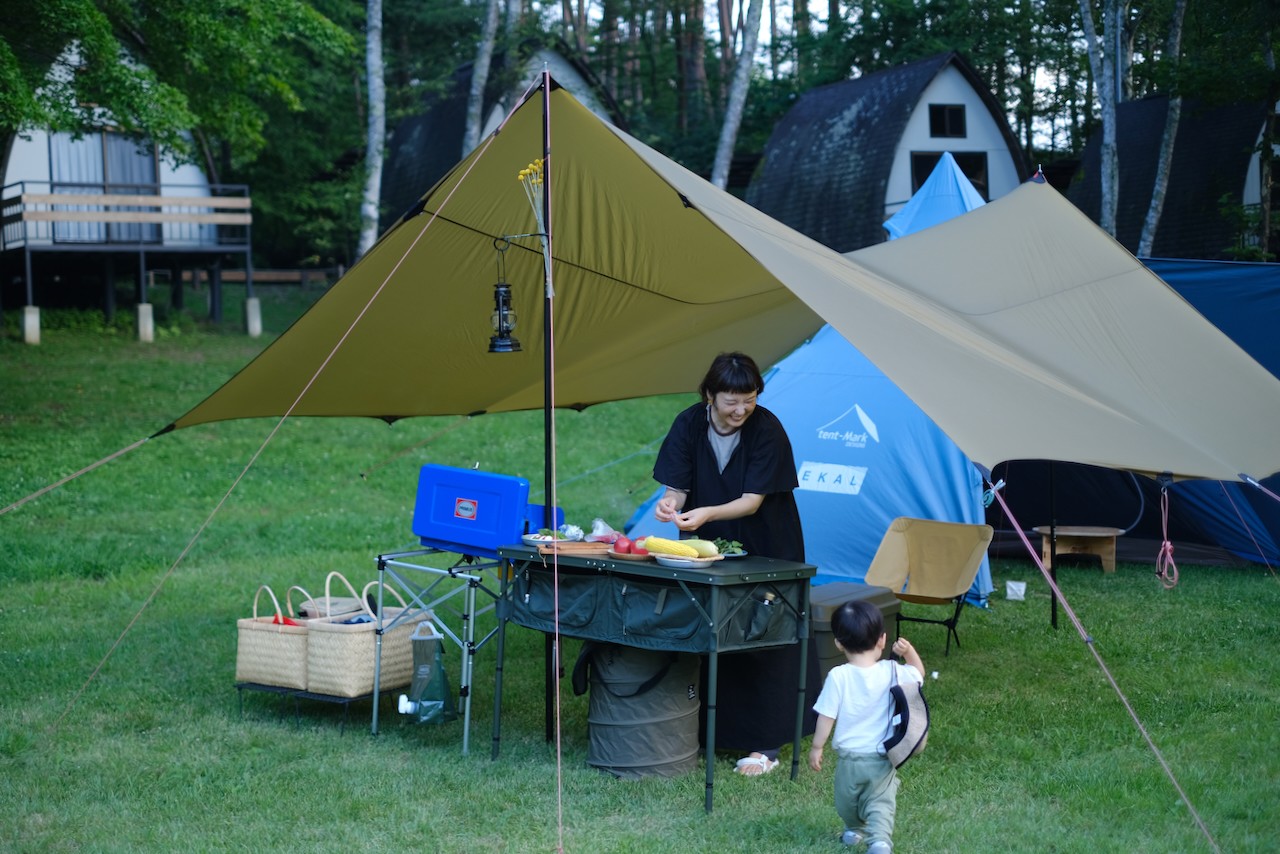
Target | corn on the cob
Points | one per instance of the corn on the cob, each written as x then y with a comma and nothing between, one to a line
704,548
664,546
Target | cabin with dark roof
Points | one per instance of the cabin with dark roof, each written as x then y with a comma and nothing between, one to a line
849,155
1215,157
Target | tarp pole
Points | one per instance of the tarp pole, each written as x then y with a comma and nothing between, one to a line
553,653
548,403
1053,548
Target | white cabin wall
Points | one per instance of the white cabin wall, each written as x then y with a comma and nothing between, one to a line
982,131
29,161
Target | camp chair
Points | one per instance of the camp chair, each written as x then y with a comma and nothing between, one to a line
930,563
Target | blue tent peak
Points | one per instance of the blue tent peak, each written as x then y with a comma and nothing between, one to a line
947,193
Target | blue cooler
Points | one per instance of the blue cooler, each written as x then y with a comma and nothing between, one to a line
472,512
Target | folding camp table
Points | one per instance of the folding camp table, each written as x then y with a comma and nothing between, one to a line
705,610
466,513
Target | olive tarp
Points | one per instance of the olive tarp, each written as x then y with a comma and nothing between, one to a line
1023,330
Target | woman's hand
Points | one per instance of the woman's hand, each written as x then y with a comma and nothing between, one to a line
694,519
668,506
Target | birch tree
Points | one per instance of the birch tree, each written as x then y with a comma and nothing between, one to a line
1102,59
377,128
1172,51
737,96
480,77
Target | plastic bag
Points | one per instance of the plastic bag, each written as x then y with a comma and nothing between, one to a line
570,532
430,700
601,532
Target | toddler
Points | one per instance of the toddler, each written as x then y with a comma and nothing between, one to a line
855,703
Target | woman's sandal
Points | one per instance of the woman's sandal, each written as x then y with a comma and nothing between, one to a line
755,765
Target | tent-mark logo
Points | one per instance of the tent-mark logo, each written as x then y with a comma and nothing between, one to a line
832,431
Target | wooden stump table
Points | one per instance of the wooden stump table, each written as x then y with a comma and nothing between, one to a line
1081,539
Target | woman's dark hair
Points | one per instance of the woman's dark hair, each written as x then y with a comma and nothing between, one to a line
731,372
858,625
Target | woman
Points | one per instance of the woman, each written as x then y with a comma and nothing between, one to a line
728,470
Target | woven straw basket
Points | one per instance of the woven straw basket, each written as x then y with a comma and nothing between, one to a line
340,656
268,652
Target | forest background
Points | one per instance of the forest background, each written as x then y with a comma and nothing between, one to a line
284,95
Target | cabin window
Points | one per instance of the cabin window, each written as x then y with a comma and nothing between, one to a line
972,163
99,163
946,121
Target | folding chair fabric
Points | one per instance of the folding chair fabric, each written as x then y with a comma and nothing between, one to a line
928,562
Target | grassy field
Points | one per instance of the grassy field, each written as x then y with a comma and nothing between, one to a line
120,728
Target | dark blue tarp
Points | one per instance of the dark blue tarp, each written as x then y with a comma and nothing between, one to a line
1243,300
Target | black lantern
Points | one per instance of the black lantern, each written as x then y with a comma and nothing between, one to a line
504,321
503,318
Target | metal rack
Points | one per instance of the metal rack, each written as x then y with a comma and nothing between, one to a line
478,577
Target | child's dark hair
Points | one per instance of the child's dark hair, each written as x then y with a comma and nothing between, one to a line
731,372
858,625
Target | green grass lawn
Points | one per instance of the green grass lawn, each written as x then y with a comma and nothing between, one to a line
120,728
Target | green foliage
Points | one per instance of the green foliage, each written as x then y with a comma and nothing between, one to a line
1246,224
120,728
156,70
423,45
1229,53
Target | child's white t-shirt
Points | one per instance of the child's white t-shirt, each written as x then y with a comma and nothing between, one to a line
858,699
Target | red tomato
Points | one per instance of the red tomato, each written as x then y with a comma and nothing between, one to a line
622,546
637,547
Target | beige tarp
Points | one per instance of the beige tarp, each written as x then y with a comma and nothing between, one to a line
1023,330
1026,332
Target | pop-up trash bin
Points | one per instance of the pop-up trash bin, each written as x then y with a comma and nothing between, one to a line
825,600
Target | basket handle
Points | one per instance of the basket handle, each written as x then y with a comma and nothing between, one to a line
274,601
288,601
396,593
328,597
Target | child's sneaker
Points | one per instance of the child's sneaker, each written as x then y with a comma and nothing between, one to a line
880,847
851,837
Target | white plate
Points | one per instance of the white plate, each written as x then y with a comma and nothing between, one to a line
678,562
536,540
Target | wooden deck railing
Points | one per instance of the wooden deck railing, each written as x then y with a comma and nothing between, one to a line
47,215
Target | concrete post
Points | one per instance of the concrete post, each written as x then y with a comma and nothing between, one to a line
253,317
31,324
146,323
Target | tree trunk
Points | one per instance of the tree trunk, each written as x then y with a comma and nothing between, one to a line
1267,152
773,39
1102,61
377,128
737,96
1152,222
800,47
609,51
480,78
696,32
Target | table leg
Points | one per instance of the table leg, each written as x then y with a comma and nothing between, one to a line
377,646
802,630
468,661
549,687
501,611
1108,554
713,673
